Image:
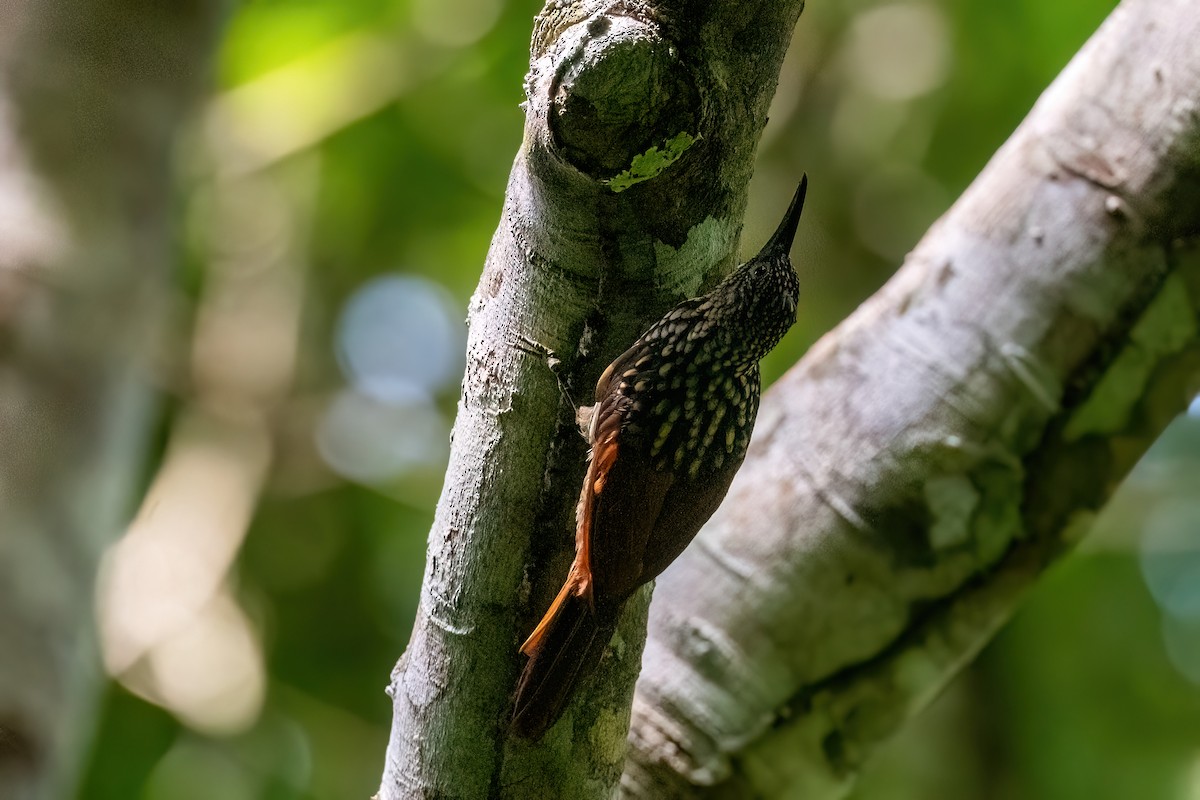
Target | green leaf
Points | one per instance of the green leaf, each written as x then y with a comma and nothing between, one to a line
650,163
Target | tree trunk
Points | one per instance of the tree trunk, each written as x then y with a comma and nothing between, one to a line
91,95
626,197
913,475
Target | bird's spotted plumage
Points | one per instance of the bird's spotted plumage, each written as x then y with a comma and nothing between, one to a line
670,426
688,388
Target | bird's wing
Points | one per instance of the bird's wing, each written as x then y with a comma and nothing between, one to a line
645,345
684,510
618,508
606,435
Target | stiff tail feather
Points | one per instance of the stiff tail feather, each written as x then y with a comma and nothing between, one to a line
563,648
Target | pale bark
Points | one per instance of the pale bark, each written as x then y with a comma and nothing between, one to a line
582,268
913,475
91,96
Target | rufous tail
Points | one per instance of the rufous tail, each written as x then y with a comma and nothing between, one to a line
564,647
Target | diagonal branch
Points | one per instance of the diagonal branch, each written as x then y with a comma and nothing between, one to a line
923,464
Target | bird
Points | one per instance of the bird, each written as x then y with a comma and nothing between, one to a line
668,430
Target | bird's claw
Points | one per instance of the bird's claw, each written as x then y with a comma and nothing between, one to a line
533,347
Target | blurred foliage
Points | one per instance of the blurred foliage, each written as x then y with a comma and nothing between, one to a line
891,109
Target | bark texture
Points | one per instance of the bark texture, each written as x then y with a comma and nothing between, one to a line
920,467
625,198
91,95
